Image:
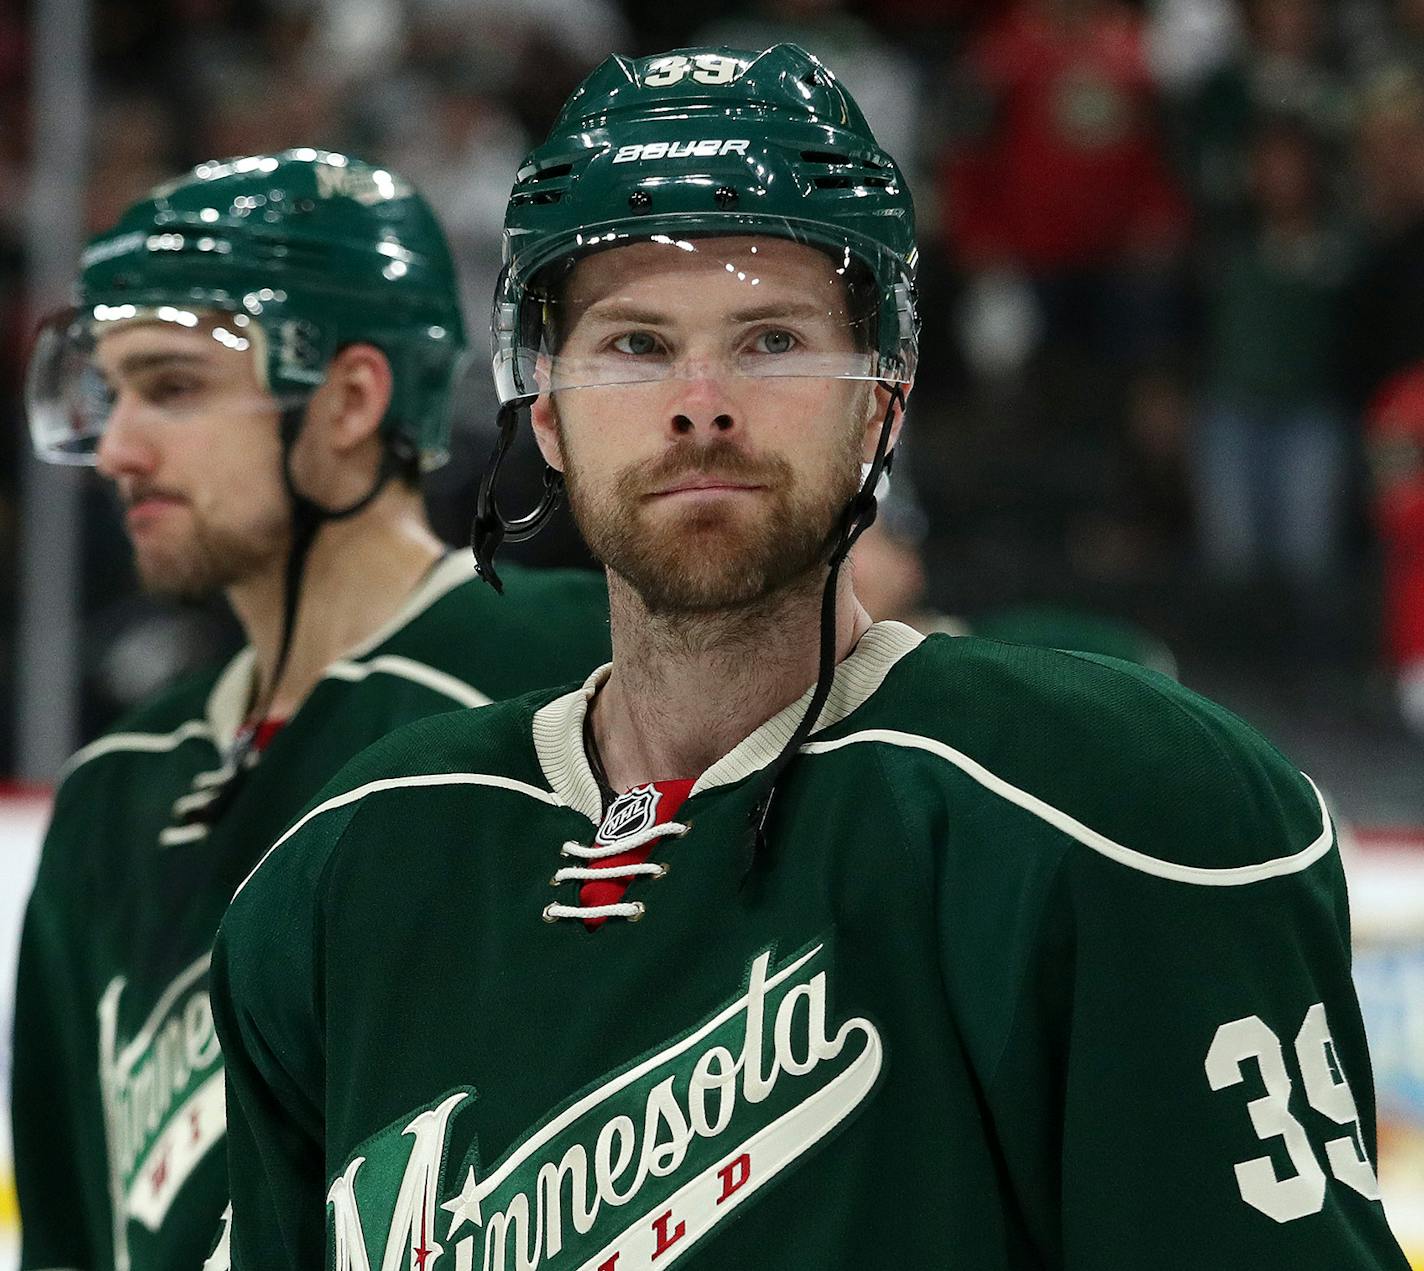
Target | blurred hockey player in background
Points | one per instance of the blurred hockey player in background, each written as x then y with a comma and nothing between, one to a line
260,361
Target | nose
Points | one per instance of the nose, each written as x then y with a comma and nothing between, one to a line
126,446
704,406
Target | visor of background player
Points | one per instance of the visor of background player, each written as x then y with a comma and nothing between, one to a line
620,310
179,364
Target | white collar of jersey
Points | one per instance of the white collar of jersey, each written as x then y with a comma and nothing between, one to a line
231,697
558,727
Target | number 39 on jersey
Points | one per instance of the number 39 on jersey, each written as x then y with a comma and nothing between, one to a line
1250,1041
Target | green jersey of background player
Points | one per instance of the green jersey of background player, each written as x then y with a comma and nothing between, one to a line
968,956
261,362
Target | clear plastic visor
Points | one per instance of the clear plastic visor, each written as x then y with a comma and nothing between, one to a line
166,365
667,309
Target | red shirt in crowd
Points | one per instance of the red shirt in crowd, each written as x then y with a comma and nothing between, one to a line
1072,173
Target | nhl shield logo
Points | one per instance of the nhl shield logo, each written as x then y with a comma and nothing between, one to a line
630,812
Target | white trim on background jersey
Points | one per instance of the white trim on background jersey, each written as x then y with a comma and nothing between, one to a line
151,743
1202,876
231,695
231,698
408,669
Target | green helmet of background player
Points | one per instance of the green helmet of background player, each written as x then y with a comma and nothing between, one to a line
697,144
312,250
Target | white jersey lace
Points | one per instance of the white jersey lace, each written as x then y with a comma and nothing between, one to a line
629,910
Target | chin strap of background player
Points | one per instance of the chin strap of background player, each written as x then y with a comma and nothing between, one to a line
858,517
491,528
308,516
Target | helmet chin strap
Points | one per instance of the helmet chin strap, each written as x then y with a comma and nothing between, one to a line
858,517
308,516
491,528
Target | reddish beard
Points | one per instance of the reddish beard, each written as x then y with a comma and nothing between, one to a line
719,554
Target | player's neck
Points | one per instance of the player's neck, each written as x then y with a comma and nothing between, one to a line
685,689
358,575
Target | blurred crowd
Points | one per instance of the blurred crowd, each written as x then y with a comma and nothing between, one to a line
1172,281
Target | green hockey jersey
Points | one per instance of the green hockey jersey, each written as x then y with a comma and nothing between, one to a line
118,1085
1045,964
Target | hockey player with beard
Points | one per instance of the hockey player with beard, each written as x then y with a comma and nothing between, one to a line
789,939
261,363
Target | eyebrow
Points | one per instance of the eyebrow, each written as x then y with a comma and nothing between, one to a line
619,311
137,362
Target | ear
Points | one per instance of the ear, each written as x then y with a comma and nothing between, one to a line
878,403
354,397
544,419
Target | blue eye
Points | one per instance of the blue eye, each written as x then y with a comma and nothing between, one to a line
636,343
776,342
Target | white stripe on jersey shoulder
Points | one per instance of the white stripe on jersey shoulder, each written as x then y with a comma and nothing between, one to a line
558,726
408,669
1202,876
148,743
405,783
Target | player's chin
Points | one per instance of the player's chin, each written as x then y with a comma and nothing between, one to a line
701,591
174,575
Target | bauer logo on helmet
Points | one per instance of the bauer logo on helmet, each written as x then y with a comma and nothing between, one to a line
708,148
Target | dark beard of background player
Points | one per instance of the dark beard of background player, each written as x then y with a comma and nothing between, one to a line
213,559
709,561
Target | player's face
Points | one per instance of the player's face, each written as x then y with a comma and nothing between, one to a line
705,489
193,451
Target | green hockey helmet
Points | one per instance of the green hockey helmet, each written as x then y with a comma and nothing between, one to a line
293,255
699,144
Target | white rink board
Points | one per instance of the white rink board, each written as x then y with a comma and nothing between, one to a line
22,822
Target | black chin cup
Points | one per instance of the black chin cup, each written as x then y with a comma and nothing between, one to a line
491,528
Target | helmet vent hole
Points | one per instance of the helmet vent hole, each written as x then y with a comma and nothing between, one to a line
552,171
640,200
824,156
726,197
851,183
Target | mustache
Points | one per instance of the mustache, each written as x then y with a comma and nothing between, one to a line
718,460
138,491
